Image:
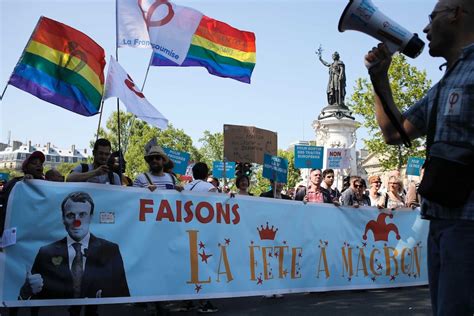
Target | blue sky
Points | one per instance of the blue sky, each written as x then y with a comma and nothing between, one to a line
288,88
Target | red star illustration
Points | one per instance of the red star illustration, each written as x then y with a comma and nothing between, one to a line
227,241
204,257
198,288
364,244
300,254
349,279
270,254
251,242
373,279
276,254
414,275
201,245
379,266
392,278
259,281
284,242
326,243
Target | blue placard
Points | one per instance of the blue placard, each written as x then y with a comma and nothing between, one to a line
275,168
218,169
413,166
180,159
309,156
4,176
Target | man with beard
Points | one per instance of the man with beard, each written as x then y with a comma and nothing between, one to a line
445,115
156,178
98,171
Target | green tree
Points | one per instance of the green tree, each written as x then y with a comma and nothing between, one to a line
212,148
66,167
140,133
408,85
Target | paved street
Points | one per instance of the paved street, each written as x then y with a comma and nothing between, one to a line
400,301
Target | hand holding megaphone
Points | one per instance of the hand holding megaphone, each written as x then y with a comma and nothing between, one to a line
378,60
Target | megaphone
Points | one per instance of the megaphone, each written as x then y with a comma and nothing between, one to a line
364,16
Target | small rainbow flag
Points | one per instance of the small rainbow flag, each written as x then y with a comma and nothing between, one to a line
225,51
62,66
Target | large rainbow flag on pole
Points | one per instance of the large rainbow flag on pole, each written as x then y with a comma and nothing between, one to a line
62,66
225,51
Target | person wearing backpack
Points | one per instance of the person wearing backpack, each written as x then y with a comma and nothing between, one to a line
98,171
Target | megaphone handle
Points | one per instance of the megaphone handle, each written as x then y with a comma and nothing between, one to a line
391,116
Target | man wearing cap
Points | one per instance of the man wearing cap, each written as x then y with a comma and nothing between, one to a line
32,168
98,171
156,178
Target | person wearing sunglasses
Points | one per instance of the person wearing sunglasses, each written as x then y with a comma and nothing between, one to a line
355,195
445,116
156,178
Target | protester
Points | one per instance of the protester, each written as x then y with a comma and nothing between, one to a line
450,140
413,198
315,193
155,178
98,171
53,175
215,182
275,191
354,195
118,164
32,168
242,183
327,183
377,198
395,197
199,184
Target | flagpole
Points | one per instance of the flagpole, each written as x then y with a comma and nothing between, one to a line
146,74
100,119
3,93
118,106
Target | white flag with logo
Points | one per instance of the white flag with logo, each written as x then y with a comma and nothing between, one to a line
170,27
119,84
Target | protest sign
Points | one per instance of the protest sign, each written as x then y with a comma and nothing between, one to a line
338,158
275,168
309,156
169,245
414,165
218,169
180,159
248,143
4,176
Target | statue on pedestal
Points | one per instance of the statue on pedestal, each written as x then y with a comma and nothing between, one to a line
336,90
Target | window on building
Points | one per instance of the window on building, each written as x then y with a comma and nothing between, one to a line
48,157
74,159
57,158
66,159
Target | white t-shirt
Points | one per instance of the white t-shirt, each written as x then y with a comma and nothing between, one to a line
200,186
164,182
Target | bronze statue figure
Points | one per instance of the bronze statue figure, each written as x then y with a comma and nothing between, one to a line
336,90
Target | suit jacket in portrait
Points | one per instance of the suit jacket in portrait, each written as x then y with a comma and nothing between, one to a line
103,271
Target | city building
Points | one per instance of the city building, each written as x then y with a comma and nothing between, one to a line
12,156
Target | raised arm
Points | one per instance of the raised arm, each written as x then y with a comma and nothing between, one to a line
378,62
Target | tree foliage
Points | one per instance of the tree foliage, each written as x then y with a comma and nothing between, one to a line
140,133
408,85
212,148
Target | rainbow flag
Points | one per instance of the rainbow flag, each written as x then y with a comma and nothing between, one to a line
62,66
225,51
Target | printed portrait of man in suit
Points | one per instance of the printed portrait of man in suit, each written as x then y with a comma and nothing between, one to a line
79,265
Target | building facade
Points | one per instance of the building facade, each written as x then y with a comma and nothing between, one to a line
12,156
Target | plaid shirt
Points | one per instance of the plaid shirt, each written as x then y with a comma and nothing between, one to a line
454,126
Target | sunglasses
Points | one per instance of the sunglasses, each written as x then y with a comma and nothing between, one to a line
151,158
358,185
